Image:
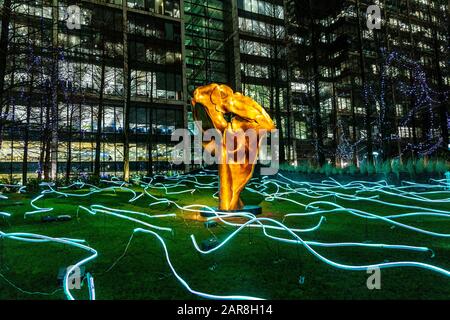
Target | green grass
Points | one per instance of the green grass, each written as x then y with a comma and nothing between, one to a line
250,264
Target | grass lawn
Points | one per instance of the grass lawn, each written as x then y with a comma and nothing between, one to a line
250,264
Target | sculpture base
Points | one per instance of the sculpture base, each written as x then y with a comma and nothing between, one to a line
256,210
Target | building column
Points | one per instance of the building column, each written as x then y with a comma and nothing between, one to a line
185,95
235,56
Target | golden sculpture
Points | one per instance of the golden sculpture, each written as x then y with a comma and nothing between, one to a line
231,113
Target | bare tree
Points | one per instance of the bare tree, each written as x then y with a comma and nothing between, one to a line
4,39
101,22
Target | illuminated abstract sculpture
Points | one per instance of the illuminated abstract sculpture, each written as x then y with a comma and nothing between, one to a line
232,115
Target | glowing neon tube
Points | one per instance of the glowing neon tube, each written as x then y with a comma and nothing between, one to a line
29,237
182,281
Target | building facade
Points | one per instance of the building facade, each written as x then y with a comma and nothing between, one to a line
113,88
368,93
104,98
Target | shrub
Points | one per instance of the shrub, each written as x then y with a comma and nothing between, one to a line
303,167
352,169
363,167
383,167
326,169
370,168
430,166
366,168
420,166
410,167
33,185
4,181
395,167
441,167
386,167
379,166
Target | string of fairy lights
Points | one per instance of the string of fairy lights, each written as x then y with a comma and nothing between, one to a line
323,196
424,101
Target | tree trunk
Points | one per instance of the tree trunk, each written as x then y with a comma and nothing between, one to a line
334,118
355,146
27,132
69,148
53,149
126,137
69,158
98,138
6,17
47,144
444,104
412,99
368,120
127,97
276,81
150,130
316,74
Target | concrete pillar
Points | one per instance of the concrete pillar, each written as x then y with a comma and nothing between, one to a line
235,57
